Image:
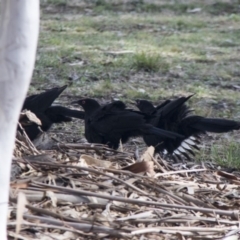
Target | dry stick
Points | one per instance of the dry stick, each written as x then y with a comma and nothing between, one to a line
130,186
104,174
108,170
16,236
26,147
22,144
125,209
136,232
176,198
122,232
192,199
192,183
56,215
81,226
211,219
170,231
30,164
157,163
92,170
167,167
158,187
158,220
49,226
98,149
171,221
190,229
180,171
29,142
126,173
233,214
33,196
88,147
182,218
158,174
116,171
135,188
111,170
126,183
232,232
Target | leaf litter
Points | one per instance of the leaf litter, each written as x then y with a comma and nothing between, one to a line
88,191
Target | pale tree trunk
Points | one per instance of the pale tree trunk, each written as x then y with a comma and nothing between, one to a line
19,27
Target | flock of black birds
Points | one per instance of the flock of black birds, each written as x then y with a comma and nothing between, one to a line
170,127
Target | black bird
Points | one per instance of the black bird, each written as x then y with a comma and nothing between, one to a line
40,105
110,123
174,115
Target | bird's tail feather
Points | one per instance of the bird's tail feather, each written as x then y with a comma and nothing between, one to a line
164,133
62,114
216,125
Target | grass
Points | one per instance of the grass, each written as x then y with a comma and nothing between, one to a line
144,49
228,156
149,62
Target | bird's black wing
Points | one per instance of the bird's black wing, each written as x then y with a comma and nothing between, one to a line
173,107
40,102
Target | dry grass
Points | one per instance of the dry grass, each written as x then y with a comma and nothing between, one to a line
86,196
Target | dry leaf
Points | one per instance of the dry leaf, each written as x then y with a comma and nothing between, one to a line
139,167
89,160
22,201
19,185
227,175
190,190
142,215
30,116
53,197
148,154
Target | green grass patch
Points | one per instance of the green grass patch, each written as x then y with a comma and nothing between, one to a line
136,94
149,62
227,155
102,89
